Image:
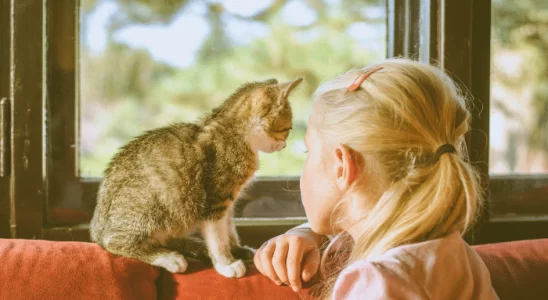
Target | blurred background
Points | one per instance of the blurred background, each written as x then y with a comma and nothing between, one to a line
519,87
147,63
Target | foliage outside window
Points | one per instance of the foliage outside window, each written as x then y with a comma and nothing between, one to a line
145,64
519,87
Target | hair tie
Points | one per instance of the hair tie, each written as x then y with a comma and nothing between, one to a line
358,81
446,148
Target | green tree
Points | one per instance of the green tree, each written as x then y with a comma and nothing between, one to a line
522,27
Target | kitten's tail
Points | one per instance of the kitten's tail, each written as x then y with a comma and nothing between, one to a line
100,216
190,246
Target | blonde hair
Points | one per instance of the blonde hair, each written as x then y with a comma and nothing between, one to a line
397,120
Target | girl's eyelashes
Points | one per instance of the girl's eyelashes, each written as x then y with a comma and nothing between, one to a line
306,151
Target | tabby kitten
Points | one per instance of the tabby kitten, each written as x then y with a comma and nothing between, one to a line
174,180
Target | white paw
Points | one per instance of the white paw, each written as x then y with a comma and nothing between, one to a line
234,270
173,262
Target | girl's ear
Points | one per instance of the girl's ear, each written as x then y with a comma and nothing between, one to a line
287,87
346,167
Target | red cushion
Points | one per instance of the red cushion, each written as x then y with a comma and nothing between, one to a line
519,270
201,282
35,269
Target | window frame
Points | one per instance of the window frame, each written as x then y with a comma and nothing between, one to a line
454,35
5,124
61,100
21,181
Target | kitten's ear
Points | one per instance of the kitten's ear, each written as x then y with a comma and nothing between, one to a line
271,81
287,87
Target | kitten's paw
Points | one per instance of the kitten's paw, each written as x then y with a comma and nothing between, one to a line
234,270
244,253
173,262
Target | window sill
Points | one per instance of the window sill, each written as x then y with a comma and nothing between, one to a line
252,231
266,222
515,218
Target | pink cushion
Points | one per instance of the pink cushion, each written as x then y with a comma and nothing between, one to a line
519,270
36,269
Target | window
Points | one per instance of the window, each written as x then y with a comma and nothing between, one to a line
85,76
518,152
143,65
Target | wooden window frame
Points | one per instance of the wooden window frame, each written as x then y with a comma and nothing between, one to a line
21,85
5,123
453,34
457,36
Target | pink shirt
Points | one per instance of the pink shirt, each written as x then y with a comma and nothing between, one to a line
445,268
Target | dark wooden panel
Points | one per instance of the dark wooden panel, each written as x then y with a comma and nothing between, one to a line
78,234
506,231
64,189
253,236
478,83
5,205
4,94
518,195
256,236
454,39
4,48
4,209
26,95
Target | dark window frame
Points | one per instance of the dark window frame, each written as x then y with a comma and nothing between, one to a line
454,35
5,122
21,182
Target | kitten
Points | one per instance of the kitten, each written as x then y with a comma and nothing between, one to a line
173,180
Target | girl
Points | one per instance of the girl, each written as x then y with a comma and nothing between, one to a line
387,168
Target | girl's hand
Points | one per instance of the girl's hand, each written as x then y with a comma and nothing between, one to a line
289,257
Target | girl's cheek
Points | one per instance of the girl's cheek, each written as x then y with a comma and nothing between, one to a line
305,182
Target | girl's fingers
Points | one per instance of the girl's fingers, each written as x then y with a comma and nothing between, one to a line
294,259
279,260
266,263
311,264
287,259
257,258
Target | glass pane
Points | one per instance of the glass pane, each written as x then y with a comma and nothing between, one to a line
519,109
145,64
519,87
